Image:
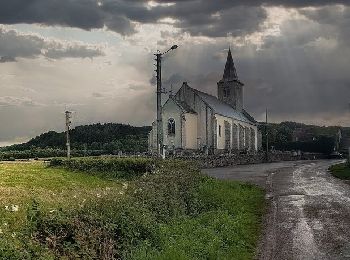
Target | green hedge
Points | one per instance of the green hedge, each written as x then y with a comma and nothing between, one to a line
109,167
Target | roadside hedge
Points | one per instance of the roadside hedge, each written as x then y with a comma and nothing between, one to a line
108,167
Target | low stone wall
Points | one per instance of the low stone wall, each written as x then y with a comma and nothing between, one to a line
225,160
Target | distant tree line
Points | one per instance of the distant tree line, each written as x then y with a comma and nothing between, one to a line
112,138
109,138
318,139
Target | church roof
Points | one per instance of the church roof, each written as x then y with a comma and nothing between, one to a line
224,109
230,72
186,108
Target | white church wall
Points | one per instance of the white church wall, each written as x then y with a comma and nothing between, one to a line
172,110
190,131
205,134
220,130
242,142
202,125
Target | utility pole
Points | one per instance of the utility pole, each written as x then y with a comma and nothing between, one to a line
68,124
158,65
159,103
349,147
267,138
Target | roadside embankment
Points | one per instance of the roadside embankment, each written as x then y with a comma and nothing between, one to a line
341,171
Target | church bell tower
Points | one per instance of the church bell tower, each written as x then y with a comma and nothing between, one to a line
230,89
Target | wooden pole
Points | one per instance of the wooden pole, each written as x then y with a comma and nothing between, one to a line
267,138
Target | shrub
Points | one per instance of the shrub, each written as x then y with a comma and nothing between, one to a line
101,230
108,167
173,213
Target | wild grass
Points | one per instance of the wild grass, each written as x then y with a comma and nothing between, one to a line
341,171
53,188
112,167
173,212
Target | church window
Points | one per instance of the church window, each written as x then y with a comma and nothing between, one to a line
171,126
226,92
219,130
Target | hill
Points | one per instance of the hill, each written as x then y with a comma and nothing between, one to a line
109,137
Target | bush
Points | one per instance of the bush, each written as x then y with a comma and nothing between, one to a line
101,230
108,167
173,213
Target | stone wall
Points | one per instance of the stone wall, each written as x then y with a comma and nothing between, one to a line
225,160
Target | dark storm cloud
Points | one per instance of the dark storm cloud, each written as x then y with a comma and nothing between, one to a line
235,21
17,45
335,17
198,17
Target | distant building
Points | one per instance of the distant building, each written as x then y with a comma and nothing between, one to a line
194,120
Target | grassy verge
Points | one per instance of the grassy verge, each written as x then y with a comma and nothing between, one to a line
341,171
172,213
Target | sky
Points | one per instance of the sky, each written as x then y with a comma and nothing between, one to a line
95,57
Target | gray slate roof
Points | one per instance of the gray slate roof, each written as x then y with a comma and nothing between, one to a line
224,109
186,108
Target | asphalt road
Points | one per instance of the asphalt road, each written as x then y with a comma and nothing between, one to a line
309,210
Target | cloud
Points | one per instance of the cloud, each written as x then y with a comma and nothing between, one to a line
197,17
300,71
4,59
98,95
335,17
14,44
235,21
7,101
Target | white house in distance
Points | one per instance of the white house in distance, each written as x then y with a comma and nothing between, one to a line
194,120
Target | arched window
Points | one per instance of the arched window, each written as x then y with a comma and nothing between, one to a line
171,126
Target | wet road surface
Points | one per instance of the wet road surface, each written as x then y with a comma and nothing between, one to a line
309,210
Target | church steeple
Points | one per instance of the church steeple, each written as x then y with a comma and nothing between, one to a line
230,89
230,72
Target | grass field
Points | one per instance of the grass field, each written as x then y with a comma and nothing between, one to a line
53,188
172,213
341,171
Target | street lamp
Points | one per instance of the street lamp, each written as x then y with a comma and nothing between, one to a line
159,98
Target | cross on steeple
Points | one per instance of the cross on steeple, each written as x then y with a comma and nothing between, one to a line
230,72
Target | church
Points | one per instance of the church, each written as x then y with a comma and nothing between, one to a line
196,121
